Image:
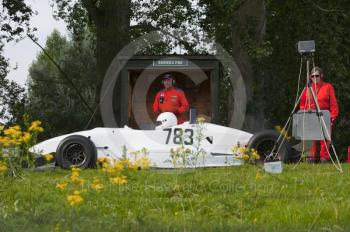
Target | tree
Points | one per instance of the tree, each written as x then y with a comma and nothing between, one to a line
179,21
12,96
50,97
14,19
239,26
14,22
109,19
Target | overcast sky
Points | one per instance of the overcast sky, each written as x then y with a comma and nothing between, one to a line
23,53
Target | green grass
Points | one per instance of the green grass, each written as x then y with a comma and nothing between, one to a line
307,198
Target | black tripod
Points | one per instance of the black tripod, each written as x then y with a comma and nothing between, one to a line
325,132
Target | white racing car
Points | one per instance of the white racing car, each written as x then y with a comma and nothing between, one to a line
83,148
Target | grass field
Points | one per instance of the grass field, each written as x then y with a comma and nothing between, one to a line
307,198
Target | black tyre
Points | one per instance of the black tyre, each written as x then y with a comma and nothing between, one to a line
76,150
266,140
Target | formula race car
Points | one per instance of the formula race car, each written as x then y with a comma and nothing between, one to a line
82,149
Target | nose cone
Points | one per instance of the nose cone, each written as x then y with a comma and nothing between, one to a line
46,147
37,149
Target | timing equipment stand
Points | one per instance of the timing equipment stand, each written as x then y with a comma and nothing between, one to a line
307,54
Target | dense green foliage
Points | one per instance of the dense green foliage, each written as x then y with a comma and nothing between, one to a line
14,23
51,97
277,75
14,20
268,57
274,58
307,198
12,96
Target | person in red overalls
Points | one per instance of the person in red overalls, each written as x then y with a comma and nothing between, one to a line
326,100
171,99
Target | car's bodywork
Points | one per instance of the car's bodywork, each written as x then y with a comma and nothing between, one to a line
217,142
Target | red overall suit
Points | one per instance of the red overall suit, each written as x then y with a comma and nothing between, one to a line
171,100
327,101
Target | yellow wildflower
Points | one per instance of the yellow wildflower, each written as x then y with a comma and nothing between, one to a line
103,161
126,163
16,127
107,167
75,198
16,142
282,132
255,155
57,228
13,136
62,185
81,181
97,187
278,128
75,169
35,127
133,167
2,140
258,176
48,157
13,132
3,167
119,180
118,166
96,184
77,179
243,150
76,192
245,153
180,149
26,137
75,176
143,163
5,141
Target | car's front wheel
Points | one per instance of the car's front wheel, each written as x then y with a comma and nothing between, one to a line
77,151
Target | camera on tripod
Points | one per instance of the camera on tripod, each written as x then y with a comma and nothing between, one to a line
306,47
310,124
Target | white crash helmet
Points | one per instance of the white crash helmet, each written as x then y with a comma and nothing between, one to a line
166,120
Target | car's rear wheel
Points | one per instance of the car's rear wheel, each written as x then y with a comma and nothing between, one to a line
77,151
265,142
